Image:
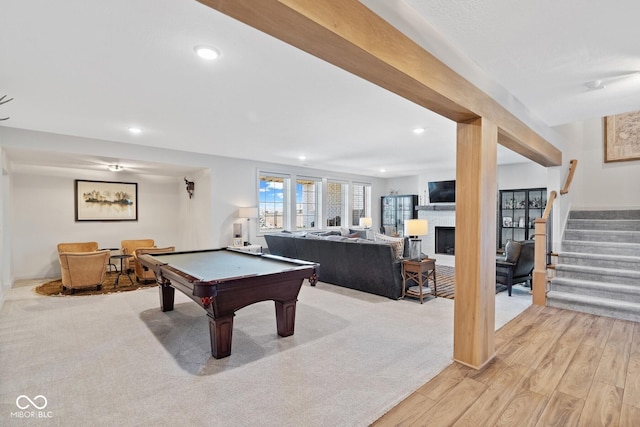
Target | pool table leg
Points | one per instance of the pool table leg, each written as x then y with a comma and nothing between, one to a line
167,296
221,332
285,317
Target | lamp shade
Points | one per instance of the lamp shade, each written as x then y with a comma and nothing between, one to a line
248,212
416,227
366,222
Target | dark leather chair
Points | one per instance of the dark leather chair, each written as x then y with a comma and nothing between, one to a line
517,264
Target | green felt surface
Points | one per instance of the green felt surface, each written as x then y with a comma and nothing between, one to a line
224,265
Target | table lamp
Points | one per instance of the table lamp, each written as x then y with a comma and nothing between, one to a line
415,228
248,213
365,222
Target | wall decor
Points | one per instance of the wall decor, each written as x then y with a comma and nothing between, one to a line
622,137
106,201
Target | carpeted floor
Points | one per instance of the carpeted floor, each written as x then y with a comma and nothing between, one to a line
117,359
54,287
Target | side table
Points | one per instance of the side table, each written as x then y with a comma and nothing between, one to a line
419,272
122,269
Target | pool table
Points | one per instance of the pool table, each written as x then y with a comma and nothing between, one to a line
223,281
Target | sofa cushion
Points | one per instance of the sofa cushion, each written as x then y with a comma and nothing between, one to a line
397,243
512,251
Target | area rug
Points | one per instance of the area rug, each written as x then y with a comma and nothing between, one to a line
445,279
54,288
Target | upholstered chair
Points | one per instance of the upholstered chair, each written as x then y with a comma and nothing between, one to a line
129,247
78,247
517,265
143,274
83,269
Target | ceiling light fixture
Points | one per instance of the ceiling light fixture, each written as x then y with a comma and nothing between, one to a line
206,52
383,170
418,131
115,168
135,131
303,157
595,85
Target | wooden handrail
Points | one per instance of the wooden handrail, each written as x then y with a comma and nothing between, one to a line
547,209
572,168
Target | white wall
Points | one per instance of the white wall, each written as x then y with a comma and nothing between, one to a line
599,185
41,213
521,175
43,216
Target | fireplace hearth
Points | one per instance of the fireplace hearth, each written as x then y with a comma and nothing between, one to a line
445,240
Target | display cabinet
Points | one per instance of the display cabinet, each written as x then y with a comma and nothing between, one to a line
517,210
395,209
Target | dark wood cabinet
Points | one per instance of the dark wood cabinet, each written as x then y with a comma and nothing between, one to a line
395,209
517,210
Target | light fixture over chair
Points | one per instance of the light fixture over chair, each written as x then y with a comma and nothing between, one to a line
415,228
115,168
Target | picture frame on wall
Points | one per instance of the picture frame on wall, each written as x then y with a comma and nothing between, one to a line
106,200
622,137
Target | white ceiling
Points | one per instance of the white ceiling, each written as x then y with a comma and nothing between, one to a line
94,68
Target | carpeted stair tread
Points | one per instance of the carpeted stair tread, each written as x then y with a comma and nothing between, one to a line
598,270
616,291
603,236
625,310
607,248
613,275
625,262
612,214
604,224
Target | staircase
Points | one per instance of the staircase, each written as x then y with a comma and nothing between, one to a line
598,268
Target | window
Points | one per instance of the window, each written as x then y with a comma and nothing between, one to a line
273,199
307,190
360,202
336,204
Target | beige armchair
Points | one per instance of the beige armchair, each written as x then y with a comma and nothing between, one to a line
78,247
143,274
129,247
83,269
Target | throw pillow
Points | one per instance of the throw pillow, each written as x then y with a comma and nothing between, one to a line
344,231
397,243
512,251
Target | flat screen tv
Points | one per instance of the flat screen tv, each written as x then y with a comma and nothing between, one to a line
442,191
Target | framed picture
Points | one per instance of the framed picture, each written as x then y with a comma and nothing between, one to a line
507,221
106,201
622,137
237,241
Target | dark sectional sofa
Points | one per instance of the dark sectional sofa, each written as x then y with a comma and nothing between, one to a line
355,263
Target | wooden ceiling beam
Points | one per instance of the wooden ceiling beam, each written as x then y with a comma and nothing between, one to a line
349,35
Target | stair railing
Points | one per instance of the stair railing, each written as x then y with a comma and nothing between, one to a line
539,276
542,255
572,168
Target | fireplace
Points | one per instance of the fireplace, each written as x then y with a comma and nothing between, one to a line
445,240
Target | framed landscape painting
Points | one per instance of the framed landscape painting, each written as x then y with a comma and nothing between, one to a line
622,137
106,201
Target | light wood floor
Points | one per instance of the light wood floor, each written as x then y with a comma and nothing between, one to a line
552,368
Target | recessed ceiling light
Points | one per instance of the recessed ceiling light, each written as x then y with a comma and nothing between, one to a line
418,131
595,85
135,131
115,168
206,52
303,157
383,170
